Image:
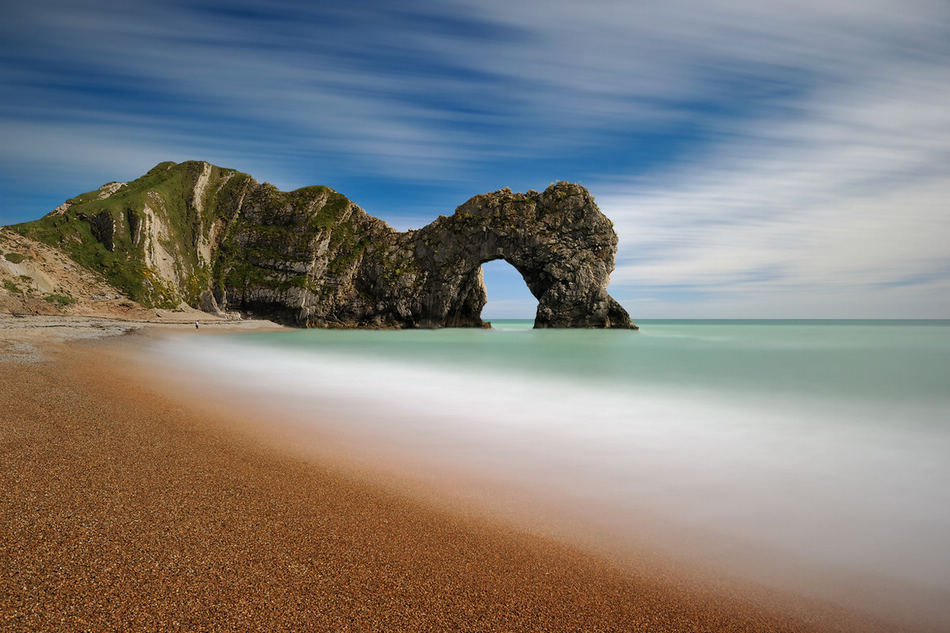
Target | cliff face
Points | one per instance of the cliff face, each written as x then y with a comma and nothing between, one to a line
214,238
155,238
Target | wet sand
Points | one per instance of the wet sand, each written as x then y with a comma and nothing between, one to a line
123,509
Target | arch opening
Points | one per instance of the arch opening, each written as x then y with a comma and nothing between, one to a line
507,293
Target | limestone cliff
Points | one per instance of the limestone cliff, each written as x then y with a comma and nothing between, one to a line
200,235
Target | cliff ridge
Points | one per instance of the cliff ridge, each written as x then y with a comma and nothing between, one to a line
194,234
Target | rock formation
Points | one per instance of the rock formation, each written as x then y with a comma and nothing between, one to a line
217,239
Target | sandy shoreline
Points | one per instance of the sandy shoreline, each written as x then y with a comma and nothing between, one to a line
123,509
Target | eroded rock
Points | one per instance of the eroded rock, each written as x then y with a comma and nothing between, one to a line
218,240
338,266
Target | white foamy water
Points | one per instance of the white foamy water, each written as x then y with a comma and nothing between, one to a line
730,437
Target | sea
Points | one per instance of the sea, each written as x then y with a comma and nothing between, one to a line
813,453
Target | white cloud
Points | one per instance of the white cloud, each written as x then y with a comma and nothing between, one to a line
846,200
824,125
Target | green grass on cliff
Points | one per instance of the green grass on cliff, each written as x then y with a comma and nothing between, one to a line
277,238
58,300
264,237
165,189
122,267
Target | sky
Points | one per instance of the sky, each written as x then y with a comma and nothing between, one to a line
758,159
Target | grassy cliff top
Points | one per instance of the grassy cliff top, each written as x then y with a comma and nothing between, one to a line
105,229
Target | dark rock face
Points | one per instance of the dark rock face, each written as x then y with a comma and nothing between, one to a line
103,228
323,262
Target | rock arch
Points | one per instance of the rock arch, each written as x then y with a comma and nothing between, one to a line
558,240
314,258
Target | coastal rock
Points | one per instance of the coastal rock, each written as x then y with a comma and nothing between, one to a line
558,240
219,240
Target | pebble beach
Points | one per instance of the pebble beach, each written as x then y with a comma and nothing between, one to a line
123,509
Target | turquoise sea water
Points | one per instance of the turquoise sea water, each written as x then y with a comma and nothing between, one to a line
890,361
825,443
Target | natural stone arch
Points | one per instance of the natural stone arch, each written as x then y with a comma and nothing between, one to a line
559,241
314,258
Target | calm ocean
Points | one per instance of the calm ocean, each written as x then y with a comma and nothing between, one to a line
826,443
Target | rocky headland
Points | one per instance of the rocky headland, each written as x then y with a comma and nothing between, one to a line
200,236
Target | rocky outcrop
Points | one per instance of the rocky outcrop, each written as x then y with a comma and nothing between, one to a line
316,259
558,240
219,240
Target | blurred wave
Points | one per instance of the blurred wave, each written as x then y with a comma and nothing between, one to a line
728,430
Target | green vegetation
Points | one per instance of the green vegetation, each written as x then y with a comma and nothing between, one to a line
14,258
122,266
273,241
11,287
154,228
465,220
107,235
332,211
60,301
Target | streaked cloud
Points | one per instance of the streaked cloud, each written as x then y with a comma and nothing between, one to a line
757,158
844,200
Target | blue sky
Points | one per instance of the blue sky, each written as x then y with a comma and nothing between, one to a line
758,159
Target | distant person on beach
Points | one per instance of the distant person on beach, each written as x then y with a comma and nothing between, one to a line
196,324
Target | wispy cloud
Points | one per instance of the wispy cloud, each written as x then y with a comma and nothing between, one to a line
844,197
753,155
